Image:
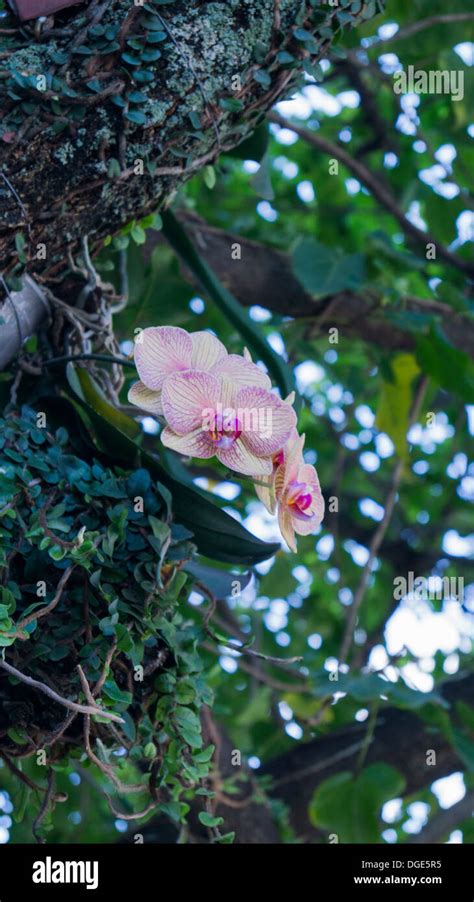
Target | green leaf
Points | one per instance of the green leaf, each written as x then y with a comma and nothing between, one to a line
112,691
138,234
450,367
396,400
135,116
262,78
209,821
137,97
261,181
221,583
302,35
366,687
144,76
351,807
209,174
204,756
323,270
254,146
149,56
155,37
464,747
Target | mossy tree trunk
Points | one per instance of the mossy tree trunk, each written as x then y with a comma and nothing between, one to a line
97,131
110,107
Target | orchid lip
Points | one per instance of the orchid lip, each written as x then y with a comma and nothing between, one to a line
300,498
226,435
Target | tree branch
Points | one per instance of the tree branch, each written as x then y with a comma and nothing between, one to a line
56,697
422,25
382,194
264,277
445,821
379,534
400,739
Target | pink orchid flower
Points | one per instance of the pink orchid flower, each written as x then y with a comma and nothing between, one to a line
265,488
298,493
209,415
165,350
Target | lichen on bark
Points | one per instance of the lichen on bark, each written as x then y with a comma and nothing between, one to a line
111,89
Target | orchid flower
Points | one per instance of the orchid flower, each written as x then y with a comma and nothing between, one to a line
298,493
220,405
265,488
162,351
222,414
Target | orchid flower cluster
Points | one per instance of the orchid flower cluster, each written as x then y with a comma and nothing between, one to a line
216,404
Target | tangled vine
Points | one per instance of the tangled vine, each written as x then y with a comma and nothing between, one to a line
99,655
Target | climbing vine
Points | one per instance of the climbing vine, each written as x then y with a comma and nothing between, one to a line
91,576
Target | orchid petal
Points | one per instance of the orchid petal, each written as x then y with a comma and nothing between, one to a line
207,351
240,459
159,351
308,474
286,525
241,372
194,444
266,493
188,398
267,421
305,527
145,398
292,464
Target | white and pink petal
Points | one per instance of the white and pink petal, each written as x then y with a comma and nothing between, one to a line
267,420
145,398
265,490
189,399
207,351
193,444
241,460
292,464
160,351
286,524
241,372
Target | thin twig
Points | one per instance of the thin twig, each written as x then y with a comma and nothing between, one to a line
380,192
48,798
422,25
105,358
66,702
446,820
107,769
378,535
130,817
20,775
368,736
105,670
241,649
263,677
36,615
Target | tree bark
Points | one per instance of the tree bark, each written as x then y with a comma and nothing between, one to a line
58,161
400,739
110,108
264,277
